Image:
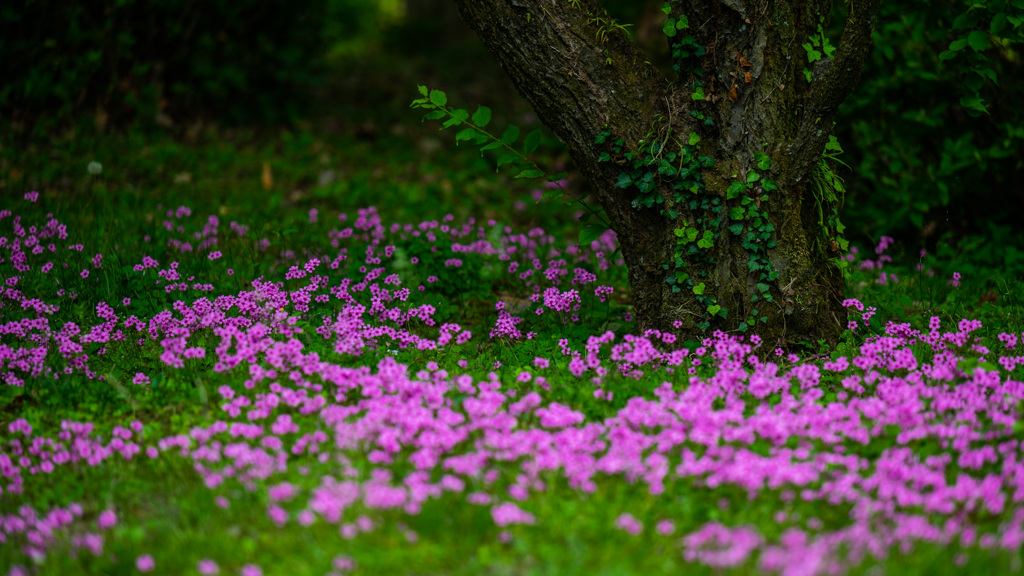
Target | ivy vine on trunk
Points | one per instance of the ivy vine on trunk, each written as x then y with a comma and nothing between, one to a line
710,178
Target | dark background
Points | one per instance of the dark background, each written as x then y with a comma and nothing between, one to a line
921,166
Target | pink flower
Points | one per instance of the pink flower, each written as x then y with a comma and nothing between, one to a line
627,523
252,570
207,567
145,563
214,255
508,513
106,520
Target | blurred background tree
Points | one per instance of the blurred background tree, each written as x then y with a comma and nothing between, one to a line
934,136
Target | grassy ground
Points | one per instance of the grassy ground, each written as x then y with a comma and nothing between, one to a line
385,446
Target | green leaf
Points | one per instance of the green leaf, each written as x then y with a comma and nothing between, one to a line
624,181
691,234
736,229
506,158
530,173
510,135
670,28
735,189
682,22
708,241
667,8
680,232
737,213
494,145
591,233
957,45
998,23
435,115
698,289
979,40
458,117
763,161
465,134
768,185
713,309
532,141
753,177
482,116
694,139
556,177
761,287
973,102
423,90
698,94
439,98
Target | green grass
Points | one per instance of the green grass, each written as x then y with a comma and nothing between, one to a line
164,508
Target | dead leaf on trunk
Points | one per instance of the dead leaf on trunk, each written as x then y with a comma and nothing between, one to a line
744,62
732,93
747,77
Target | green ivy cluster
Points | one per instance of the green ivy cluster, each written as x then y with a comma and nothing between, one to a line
750,222
818,48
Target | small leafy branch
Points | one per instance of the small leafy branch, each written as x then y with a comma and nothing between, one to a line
474,131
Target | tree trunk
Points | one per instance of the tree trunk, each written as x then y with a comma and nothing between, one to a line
709,179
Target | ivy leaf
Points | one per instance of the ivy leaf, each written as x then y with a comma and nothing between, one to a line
531,142
753,177
670,28
482,116
713,309
735,189
698,289
624,181
708,241
768,185
510,135
438,98
763,161
736,229
694,137
698,94
667,8
737,213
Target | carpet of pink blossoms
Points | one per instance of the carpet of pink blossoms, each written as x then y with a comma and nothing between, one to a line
945,444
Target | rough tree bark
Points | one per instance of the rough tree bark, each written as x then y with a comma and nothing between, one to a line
584,77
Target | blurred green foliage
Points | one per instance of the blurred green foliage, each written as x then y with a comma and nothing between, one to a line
935,131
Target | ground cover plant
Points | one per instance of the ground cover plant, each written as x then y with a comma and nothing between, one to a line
330,384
